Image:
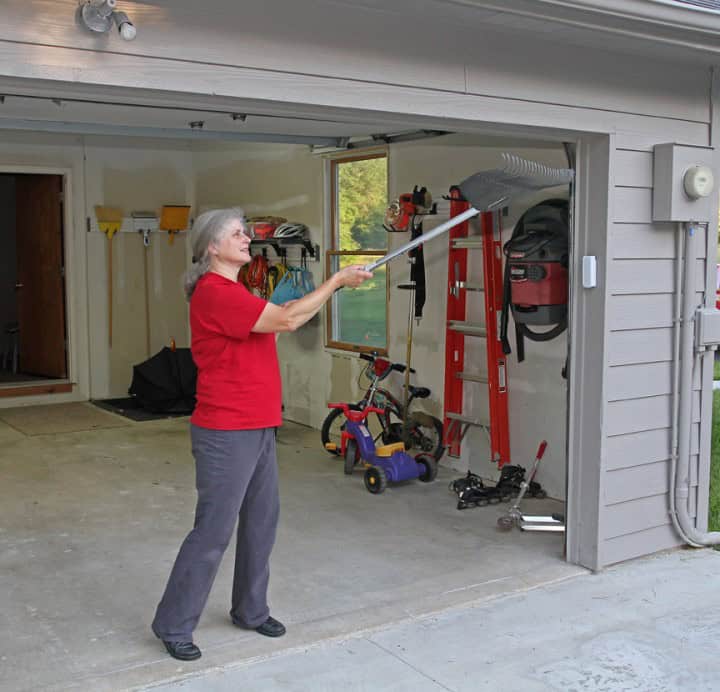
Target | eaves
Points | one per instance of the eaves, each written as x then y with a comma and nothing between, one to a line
678,24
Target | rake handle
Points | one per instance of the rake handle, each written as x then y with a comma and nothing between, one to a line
438,230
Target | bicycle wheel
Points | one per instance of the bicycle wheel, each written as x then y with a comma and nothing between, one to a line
425,434
332,427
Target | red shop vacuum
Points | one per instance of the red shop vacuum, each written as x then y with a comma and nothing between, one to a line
536,275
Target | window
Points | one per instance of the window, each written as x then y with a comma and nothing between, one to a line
357,319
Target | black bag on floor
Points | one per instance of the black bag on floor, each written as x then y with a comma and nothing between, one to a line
166,382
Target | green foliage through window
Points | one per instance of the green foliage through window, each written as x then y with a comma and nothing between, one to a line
359,315
361,202
357,319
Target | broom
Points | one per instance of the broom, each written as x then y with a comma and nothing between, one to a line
109,220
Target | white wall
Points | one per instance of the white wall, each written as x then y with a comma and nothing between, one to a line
135,175
286,181
537,392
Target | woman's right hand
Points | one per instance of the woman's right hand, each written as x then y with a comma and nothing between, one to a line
352,276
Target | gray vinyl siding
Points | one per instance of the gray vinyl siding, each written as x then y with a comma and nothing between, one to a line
634,518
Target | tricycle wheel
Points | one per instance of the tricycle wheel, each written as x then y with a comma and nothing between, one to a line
429,465
351,450
375,480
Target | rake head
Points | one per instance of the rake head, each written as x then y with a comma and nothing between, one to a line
488,190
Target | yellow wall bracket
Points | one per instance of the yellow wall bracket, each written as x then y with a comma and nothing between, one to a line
109,220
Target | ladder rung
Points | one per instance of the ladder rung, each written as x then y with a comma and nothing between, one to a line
468,328
467,242
468,421
473,377
469,286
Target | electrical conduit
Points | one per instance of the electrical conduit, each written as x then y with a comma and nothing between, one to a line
685,361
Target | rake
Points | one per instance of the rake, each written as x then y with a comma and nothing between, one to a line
490,190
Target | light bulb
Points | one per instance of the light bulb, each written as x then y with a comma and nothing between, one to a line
125,26
128,31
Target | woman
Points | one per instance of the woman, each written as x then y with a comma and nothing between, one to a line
232,430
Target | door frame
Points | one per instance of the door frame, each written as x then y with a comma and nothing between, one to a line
75,387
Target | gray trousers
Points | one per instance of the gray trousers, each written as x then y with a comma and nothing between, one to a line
236,479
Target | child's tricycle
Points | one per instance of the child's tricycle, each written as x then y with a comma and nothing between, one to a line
389,463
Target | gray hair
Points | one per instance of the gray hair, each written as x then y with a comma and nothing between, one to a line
208,228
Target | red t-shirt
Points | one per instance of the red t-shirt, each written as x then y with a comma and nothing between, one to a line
238,384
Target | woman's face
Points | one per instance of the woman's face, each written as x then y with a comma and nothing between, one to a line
234,245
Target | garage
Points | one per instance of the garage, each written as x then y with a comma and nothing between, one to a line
96,503
282,179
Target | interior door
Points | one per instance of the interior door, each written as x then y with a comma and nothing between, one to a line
40,286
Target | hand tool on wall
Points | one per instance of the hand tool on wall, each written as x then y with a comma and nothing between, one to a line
173,219
402,213
406,213
145,222
109,220
489,190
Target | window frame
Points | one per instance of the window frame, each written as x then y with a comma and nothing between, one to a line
335,252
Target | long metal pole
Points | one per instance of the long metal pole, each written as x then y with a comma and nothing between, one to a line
438,230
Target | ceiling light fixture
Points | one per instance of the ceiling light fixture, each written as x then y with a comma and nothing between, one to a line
99,15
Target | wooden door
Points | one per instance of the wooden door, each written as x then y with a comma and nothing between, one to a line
40,286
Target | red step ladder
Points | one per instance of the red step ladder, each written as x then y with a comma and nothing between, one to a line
456,421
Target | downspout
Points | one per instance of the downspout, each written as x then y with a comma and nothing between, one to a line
684,352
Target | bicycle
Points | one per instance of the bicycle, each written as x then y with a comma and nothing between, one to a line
423,433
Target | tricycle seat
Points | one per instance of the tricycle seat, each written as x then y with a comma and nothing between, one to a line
389,450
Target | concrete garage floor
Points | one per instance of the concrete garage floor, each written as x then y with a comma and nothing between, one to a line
92,521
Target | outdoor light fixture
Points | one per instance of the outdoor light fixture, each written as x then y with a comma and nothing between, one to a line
99,15
125,26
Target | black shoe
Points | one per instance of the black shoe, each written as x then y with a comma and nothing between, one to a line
271,628
183,651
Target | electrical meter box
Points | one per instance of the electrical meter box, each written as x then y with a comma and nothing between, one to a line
683,183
